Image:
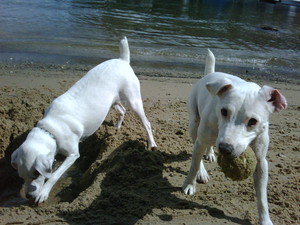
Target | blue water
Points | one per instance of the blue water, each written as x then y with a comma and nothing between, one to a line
172,34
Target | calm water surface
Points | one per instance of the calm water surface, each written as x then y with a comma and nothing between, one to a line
170,34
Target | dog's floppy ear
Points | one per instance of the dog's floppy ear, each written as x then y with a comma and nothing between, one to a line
43,165
274,98
219,87
13,162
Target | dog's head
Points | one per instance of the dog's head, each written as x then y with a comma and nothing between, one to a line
33,163
243,113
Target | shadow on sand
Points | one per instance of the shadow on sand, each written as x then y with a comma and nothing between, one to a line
132,186
130,181
11,183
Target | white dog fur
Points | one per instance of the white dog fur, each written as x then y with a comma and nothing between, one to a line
76,114
230,113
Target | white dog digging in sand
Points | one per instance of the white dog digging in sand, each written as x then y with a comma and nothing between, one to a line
76,114
231,114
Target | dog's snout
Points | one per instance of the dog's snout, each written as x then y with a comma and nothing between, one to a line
28,196
225,148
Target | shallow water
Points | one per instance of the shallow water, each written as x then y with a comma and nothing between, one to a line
258,37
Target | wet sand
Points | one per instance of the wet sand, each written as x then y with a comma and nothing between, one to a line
118,181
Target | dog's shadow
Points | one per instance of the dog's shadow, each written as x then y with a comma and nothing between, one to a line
132,185
11,183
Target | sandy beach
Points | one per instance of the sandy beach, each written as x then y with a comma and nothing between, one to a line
118,181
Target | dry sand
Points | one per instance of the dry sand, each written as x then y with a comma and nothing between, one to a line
118,181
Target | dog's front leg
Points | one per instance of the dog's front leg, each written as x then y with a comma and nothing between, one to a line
44,193
260,146
189,186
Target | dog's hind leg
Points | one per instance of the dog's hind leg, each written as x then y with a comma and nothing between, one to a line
137,106
210,154
121,113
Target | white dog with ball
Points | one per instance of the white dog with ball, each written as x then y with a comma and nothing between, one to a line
231,114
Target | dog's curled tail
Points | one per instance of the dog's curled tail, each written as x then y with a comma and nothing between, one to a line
124,50
210,63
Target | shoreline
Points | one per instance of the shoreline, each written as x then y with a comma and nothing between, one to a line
157,68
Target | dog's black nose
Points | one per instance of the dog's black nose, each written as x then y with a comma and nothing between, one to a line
225,149
28,196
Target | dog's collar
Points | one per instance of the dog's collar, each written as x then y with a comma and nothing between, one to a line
48,132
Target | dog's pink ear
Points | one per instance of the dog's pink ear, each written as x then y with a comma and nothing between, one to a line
274,98
43,165
219,87
13,162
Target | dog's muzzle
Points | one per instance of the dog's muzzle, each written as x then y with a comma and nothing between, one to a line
31,191
28,196
225,148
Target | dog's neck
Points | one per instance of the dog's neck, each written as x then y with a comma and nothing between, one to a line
47,132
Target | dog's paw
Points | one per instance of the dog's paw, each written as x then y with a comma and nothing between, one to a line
118,124
152,146
189,189
42,196
266,221
211,157
202,177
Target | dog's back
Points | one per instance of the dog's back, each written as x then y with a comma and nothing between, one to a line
89,100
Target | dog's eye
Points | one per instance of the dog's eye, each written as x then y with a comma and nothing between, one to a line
252,122
224,112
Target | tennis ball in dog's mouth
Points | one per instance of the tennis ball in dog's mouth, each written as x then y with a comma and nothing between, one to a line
238,168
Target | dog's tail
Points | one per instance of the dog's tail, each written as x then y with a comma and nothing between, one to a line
210,63
124,50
